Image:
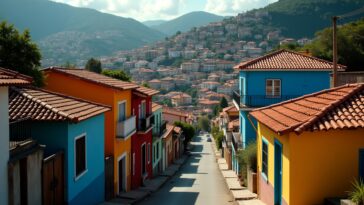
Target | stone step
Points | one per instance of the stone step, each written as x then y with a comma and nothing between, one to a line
250,202
243,194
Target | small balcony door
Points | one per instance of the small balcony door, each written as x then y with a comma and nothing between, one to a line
121,111
143,159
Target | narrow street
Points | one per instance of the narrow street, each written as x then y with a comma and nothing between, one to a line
198,182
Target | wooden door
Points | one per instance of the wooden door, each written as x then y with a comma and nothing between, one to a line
109,178
53,179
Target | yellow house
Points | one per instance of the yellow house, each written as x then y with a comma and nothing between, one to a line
311,148
119,122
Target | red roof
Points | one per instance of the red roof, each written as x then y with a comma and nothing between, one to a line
9,77
94,78
156,107
147,91
287,60
41,105
336,108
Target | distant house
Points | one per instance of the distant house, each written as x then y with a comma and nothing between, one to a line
206,103
167,145
181,99
172,115
7,78
73,134
311,147
159,128
188,67
155,84
276,77
211,85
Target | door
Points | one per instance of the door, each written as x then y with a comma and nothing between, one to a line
121,111
143,159
277,173
122,174
109,178
361,164
53,179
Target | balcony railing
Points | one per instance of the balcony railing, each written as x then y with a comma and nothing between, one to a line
126,127
236,140
145,124
20,132
259,100
160,130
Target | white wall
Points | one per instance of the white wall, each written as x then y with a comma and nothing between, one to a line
4,144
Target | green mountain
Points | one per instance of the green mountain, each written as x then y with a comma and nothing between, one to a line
65,33
302,18
153,22
186,22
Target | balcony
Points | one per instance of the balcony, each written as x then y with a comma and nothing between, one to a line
20,133
160,130
145,124
253,101
236,141
125,128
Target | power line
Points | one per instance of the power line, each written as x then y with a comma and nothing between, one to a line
352,13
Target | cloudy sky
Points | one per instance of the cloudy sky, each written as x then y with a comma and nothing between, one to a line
143,10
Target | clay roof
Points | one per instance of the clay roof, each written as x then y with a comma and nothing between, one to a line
94,78
169,129
9,77
286,60
147,91
156,107
41,105
154,81
232,124
171,111
177,130
230,109
336,108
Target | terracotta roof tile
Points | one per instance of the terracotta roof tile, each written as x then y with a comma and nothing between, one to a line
156,107
94,77
9,77
147,91
172,111
41,105
287,60
336,108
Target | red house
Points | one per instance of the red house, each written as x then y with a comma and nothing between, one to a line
141,142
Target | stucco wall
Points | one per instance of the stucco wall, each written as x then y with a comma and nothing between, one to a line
4,144
324,164
268,183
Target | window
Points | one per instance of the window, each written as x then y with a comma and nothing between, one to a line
148,153
242,87
265,158
273,88
80,155
143,110
122,111
143,159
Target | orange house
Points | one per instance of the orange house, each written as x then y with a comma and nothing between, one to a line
119,122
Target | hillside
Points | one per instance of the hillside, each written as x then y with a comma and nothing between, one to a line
67,33
310,15
186,22
153,22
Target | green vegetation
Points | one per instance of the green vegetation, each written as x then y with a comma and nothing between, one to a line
93,65
310,15
167,102
118,74
145,84
188,131
203,123
247,158
218,135
223,103
19,53
357,194
350,44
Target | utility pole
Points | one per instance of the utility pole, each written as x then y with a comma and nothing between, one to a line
334,50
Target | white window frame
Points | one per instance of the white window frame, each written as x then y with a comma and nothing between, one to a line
121,102
77,177
273,94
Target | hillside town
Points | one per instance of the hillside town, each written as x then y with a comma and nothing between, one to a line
229,113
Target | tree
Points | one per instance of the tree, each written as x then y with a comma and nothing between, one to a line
350,45
216,110
19,53
188,130
203,123
223,103
117,74
93,65
145,84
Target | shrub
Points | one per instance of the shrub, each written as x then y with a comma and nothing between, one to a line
357,194
247,158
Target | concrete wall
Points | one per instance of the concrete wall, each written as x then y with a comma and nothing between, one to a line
4,144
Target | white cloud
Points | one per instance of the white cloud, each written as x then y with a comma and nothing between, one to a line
232,7
138,9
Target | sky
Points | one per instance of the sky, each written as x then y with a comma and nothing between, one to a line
143,10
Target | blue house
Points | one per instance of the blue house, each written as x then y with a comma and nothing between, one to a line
72,131
273,78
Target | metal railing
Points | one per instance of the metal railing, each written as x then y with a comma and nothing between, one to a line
259,100
20,132
126,127
145,124
236,141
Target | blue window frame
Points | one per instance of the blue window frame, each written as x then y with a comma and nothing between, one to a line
265,158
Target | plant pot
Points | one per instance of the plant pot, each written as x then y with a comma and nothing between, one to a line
347,202
252,181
